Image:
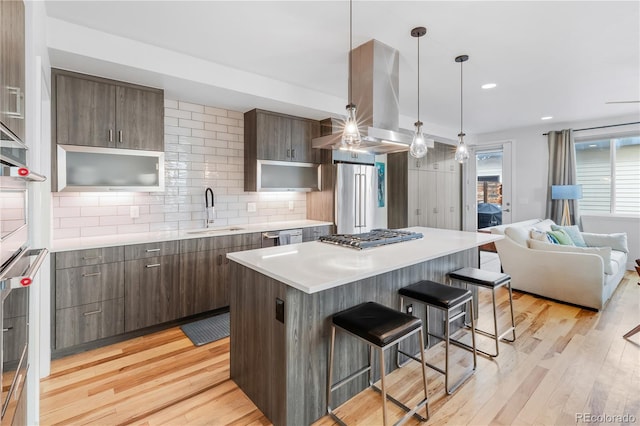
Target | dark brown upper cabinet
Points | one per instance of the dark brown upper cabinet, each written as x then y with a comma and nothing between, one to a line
93,111
269,136
279,137
12,67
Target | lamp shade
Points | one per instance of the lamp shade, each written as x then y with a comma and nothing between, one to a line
566,192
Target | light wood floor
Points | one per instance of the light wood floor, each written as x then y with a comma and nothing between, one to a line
565,361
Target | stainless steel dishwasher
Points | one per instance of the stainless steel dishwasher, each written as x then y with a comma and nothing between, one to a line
281,238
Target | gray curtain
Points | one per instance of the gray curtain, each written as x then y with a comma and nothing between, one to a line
562,171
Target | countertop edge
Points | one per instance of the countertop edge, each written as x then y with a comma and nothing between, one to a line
84,243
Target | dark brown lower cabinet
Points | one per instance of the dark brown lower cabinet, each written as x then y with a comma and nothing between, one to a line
202,280
85,323
152,291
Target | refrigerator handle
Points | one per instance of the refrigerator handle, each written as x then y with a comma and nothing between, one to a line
363,205
356,201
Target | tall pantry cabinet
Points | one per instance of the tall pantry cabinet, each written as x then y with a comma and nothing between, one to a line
425,192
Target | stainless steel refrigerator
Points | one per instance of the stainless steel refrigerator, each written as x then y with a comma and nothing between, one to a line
356,193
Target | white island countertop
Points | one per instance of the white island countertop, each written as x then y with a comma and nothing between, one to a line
315,266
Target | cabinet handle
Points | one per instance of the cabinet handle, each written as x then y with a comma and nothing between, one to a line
86,314
110,135
288,153
219,260
17,92
417,212
120,136
92,274
153,265
152,250
293,153
91,258
4,330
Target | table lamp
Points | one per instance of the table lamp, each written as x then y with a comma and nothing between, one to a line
566,193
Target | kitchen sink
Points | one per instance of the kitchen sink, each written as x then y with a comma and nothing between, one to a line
214,230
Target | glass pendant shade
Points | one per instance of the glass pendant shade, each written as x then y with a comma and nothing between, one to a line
351,133
418,147
462,152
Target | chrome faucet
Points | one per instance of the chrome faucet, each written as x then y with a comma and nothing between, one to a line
210,210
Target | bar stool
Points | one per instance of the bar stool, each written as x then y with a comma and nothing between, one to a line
379,327
492,281
447,299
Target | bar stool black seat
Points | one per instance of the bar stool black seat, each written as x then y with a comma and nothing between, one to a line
447,299
379,327
490,280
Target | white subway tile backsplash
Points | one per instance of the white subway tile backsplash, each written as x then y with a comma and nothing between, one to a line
170,103
216,111
203,148
205,118
203,133
175,130
229,121
170,121
216,127
191,124
186,106
175,113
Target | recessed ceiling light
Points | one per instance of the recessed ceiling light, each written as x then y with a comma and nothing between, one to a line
548,117
489,86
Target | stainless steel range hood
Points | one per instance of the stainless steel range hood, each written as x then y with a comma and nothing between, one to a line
375,93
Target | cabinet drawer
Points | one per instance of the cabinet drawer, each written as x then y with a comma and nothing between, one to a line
222,242
14,335
144,251
70,259
85,323
89,284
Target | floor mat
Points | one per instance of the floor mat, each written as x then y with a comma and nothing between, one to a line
207,330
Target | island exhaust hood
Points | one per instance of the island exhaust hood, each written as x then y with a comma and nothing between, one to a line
375,93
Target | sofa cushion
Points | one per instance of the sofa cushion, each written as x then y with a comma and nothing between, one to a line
615,241
500,229
574,234
603,252
518,234
620,258
562,237
536,234
545,225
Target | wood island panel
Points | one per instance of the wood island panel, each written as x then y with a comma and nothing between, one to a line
282,367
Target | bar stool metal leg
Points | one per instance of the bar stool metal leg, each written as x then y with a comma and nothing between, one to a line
331,387
495,336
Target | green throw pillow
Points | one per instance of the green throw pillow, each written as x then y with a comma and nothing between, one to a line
561,237
573,232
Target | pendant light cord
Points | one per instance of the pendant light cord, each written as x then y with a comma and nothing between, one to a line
350,49
460,97
418,78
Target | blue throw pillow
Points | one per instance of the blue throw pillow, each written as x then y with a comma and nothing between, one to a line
573,232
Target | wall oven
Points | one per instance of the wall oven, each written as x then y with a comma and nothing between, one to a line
18,265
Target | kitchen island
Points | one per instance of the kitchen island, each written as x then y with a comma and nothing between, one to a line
282,299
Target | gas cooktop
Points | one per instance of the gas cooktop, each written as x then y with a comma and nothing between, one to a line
373,238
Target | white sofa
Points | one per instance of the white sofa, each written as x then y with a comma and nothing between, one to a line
576,278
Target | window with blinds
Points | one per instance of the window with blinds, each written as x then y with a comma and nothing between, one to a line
609,172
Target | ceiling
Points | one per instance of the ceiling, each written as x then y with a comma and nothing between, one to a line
548,58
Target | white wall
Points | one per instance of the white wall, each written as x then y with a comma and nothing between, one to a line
530,168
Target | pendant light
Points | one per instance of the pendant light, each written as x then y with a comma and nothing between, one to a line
462,152
351,133
418,147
